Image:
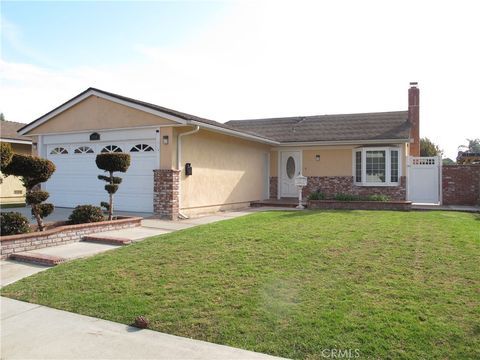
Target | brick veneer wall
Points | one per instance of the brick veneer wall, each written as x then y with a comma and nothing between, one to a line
273,187
60,235
166,184
331,185
461,184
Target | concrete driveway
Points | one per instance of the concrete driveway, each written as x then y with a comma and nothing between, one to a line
62,214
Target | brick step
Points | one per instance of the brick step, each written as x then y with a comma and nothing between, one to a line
36,258
110,240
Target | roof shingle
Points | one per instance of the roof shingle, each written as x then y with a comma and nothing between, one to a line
346,127
8,130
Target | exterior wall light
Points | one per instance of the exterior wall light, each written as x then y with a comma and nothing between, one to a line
165,140
317,157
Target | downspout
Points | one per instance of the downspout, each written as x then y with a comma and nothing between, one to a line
179,167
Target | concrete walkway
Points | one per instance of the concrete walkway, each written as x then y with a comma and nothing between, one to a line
32,331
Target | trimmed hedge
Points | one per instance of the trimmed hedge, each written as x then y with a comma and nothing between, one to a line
83,214
352,197
13,223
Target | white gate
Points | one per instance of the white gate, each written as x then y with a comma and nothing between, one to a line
423,183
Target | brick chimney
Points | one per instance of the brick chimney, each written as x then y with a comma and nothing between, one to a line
414,118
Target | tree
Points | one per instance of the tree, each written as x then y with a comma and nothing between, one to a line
448,161
110,163
472,147
2,117
33,171
428,148
6,154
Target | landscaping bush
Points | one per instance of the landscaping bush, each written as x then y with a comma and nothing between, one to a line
33,171
83,214
317,195
353,197
13,223
112,162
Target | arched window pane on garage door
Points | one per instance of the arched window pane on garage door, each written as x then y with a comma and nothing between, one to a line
83,150
111,149
59,151
141,148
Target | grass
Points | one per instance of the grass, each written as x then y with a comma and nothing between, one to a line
397,285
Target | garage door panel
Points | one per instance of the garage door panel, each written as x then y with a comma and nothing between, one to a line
75,181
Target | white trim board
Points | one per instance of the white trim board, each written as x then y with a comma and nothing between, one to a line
15,141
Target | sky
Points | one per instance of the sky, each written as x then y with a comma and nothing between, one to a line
226,60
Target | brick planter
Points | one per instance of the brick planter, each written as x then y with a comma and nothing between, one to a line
166,183
359,205
60,235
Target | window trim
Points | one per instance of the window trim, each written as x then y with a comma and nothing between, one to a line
388,164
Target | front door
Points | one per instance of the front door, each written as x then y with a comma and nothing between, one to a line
290,169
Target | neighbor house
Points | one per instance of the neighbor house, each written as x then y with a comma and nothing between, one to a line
12,190
184,165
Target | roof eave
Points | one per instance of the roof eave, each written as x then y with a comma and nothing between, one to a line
16,141
345,142
235,133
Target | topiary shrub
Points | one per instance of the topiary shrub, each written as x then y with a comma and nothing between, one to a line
13,223
33,171
83,214
6,154
112,162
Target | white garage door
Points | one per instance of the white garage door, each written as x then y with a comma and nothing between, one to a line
75,180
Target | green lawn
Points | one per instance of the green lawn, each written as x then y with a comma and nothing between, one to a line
397,285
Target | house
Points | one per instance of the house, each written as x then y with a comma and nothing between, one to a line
12,190
183,165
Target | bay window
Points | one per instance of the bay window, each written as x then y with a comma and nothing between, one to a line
376,166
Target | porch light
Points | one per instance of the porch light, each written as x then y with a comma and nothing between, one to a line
165,140
317,157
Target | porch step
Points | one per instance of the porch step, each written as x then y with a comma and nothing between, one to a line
110,240
37,258
276,203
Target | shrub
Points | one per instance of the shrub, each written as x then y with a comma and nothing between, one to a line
317,195
43,210
378,198
33,171
36,197
352,197
347,197
13,223
6,154
83,214
112,162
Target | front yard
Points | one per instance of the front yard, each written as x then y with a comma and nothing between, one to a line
294,284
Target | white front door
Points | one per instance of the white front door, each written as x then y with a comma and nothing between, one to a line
290,168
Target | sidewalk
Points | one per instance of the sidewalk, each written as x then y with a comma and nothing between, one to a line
30,331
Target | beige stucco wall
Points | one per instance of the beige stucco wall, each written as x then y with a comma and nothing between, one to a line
10,186
333,162
95,113
227,171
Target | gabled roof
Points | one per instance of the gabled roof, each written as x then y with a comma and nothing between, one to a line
176,116
323,128
373,127
8,132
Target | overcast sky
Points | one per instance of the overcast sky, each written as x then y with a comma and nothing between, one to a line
234,60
